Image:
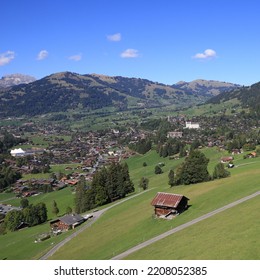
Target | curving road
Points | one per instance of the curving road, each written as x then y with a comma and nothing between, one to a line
96,215
172,231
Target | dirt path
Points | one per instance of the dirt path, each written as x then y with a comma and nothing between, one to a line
181,227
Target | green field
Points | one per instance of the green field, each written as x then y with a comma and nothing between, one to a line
132,222
20,244
63,198
225,236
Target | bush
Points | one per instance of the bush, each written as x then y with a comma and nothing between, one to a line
158,170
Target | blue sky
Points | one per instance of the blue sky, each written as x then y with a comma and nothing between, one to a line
165,41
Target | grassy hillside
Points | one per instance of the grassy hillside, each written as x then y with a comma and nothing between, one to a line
66,91
225,236
132,222
249,97
63,198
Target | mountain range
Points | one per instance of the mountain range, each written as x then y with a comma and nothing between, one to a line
65,91
15,79
248,97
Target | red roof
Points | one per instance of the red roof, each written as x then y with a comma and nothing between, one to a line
167,199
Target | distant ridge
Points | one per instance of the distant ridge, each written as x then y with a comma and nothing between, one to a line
249,97
208,87
65,91
15,79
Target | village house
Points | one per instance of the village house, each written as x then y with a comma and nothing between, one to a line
175,134
251,155
226,159
5,208
237,151
167,205
67,222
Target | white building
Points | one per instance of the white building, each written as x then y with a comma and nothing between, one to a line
174,134
192,125
18,152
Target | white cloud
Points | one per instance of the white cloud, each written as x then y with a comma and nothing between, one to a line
42,55
6,57
207,54
130,53
114,38
76,57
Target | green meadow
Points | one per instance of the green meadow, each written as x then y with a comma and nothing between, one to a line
231,235
132,222
63,198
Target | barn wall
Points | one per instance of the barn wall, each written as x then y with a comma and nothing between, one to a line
60,225
162,211
182,205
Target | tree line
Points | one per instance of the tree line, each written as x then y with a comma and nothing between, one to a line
109,184
31,215
194,170
8,176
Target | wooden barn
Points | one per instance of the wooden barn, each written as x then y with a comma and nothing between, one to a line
67,222
167,205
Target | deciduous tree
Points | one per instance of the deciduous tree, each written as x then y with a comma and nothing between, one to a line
144,183
194,169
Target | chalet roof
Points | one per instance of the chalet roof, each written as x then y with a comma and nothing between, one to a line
167,199
71,219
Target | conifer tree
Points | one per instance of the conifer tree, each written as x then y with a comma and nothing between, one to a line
171,181
55,209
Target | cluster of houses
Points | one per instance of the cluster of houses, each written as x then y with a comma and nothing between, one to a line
180,121
84,154
32,187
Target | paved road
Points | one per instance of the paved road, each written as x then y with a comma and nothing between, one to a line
170,232
96,215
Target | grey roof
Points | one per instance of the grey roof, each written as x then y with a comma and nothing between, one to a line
72,219
4,209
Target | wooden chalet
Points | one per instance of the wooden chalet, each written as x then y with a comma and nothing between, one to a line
226,159
167,205
67,222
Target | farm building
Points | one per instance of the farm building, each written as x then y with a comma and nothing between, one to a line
226,159
67,222
167,205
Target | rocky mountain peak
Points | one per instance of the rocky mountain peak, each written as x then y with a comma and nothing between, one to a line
15,79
